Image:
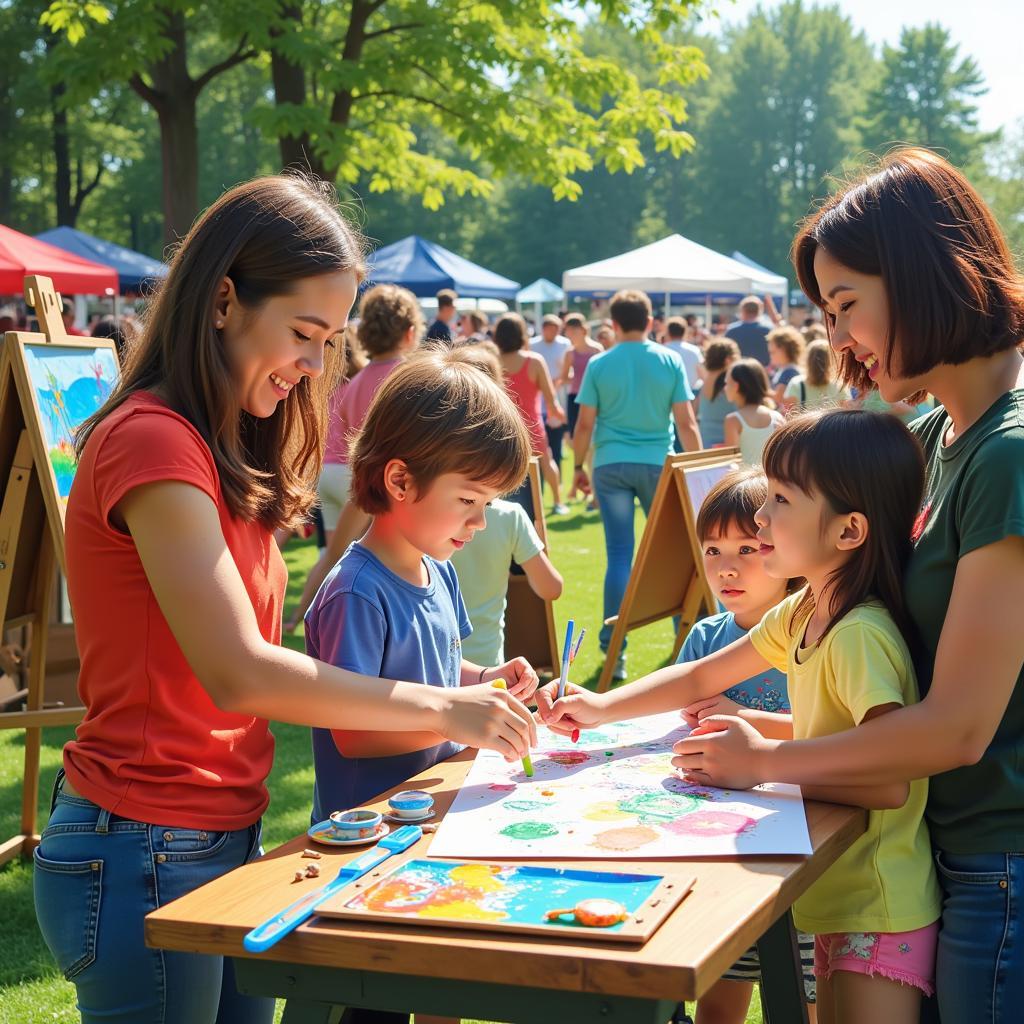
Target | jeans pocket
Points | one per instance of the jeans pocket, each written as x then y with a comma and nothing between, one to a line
67,898
183,844
965,869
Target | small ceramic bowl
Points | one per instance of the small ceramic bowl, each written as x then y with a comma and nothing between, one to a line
411,804
361,823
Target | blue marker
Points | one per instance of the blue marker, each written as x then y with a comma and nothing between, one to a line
566,654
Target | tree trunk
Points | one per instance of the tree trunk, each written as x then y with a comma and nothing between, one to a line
174,98
61,151
290,87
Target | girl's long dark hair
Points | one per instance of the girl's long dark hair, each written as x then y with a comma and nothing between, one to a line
865,462
264,235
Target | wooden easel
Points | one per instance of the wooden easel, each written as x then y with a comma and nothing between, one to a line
31,537
668,573
529,619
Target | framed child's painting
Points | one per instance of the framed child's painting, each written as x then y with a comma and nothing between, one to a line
59,384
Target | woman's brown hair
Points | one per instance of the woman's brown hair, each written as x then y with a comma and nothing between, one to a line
264,235
790,340
386,313
857,461
917,223
510,334
819,364
750,377
716,360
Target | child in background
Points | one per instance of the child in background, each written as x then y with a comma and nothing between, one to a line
755,419
390,327
713,405
736,573
785,358
584,348
817,387
482,566
439,442
844,490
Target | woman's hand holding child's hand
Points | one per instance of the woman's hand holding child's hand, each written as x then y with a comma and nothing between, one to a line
578,709
519,676
725,752
693,714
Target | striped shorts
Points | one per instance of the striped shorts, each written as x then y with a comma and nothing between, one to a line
748,967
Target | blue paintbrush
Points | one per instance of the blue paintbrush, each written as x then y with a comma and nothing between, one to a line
264,936
566,655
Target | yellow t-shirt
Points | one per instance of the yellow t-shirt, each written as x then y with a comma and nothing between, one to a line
886,881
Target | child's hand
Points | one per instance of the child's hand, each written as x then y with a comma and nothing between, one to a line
727,752
519,676
693,714
578,709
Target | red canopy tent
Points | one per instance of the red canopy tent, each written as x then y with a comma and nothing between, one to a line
21,254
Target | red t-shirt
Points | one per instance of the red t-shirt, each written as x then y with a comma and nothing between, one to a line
153,745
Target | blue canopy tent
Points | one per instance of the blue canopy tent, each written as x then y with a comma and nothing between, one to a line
133,268
425,268
542,290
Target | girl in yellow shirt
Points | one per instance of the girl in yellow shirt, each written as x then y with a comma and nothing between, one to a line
844,489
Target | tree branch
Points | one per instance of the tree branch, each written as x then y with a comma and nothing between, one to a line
458,115
393,28
240,56
152,96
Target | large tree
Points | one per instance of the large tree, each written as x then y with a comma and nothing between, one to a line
926,95
494,87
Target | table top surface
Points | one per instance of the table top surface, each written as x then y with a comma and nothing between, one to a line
732,903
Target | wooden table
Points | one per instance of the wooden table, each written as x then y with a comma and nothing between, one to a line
326,965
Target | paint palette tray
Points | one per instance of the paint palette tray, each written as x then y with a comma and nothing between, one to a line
510,898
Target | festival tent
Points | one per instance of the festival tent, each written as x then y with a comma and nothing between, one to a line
424,267
21,255
676,268
133,268
542,290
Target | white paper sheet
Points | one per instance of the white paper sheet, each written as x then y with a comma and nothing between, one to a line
614,795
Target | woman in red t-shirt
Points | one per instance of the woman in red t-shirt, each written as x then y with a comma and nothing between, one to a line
212,439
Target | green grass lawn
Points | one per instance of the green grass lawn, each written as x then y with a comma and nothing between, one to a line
31,989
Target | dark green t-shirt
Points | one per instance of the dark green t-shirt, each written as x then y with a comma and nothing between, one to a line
974,496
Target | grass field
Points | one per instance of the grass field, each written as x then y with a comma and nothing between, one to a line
31,989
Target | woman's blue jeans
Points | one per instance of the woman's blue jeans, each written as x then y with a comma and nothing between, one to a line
96,877
980,966
618,485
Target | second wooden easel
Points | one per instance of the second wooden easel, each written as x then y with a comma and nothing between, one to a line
668,576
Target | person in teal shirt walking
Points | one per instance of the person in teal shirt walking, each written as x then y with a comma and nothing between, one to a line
632,393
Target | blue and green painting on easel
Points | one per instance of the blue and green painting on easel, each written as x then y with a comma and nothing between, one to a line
70,384
496,893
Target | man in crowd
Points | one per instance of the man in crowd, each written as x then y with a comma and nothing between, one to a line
441,328
749,332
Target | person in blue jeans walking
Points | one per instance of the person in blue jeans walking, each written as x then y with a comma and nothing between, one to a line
629,399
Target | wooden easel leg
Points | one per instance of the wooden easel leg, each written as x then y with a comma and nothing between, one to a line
44,584
614,650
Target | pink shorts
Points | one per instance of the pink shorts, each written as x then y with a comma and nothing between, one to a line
908,957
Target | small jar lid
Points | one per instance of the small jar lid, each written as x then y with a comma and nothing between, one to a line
411,800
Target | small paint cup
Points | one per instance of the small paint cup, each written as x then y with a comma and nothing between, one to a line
361,823
411,804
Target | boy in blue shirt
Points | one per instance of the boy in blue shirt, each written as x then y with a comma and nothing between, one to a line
439,442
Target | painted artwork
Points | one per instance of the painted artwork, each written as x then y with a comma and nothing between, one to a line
70,384
701,480
614,794
496,894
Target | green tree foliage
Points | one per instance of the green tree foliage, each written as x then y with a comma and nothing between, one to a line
925,95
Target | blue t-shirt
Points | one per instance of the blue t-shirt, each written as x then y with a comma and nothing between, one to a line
633,387
766,691
367,619
752,339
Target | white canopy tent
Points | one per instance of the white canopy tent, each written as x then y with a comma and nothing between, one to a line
678,269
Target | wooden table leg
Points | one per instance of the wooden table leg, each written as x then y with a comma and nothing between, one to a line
782,980
301,1011
314,993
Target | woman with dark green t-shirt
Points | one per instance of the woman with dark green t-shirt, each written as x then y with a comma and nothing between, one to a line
921,295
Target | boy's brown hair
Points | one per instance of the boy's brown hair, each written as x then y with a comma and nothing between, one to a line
630,309
439,413
446,299
385,315
575,320
915,221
